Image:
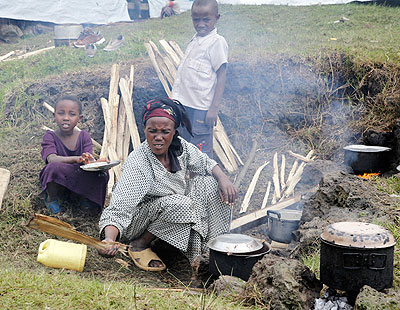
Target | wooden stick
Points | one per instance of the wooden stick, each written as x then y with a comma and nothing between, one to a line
296,178
126,130
113,100
106,133
7,55
300,157
157,68
265,200
121,134
113,156
222,156
283,167
59,228
275,177
291,173
33,53
123,84
164,65
170,52
176,48
250,190
219,135
96,144
259,217
4,180
246,166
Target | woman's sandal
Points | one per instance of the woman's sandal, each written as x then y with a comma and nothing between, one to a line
143,258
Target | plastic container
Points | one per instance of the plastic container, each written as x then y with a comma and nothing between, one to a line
65,34
60,254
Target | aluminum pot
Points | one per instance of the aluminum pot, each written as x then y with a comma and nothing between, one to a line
367,158
227,256
354,254
282,224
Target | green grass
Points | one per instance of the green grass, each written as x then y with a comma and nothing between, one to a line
252,32
60,289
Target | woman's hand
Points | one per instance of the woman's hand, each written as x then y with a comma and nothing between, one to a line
86,158
227,190
111,250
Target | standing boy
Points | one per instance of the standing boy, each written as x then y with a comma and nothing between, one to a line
201,76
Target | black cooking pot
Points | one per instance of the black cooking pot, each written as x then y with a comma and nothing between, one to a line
224,260
367,158
354,254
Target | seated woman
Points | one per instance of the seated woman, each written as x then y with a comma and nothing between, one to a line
152,199
63,151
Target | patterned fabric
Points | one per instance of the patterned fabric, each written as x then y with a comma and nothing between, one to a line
148,197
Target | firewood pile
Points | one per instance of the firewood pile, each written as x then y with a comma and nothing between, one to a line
281,188
119,122
166,65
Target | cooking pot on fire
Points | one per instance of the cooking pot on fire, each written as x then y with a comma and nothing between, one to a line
235,254
354,254
367,158
282,224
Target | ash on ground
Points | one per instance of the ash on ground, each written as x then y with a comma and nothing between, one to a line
332,301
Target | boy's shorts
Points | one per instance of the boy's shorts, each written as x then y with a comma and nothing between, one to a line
202,133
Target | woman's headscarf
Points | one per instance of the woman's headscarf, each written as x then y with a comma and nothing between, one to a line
176,112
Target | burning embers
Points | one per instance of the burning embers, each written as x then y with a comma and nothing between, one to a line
367,176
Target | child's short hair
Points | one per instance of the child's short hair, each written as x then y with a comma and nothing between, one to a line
70,98
213,3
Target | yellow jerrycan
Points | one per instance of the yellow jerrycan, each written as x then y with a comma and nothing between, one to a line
60,254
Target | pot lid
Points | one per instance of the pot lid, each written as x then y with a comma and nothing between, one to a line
286,215
366,148
235,243
358,235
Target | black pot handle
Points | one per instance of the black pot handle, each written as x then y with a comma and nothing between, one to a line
274,212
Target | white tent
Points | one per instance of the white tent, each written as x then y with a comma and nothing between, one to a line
66,11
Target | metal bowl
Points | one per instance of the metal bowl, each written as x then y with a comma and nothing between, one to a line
235,244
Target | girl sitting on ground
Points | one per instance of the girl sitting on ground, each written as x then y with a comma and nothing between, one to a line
63,151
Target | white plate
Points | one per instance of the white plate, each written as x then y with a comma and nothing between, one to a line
100,166
366,148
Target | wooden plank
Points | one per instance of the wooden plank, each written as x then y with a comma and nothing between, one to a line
246,165
176,48
4,180
170,52
157,68
33,53
251,188
121,134
161,64
123,84
260,216
221,155
224,141
4,57
106,133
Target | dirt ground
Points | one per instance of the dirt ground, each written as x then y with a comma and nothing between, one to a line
268,102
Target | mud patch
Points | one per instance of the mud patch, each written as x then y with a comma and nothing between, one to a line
282,283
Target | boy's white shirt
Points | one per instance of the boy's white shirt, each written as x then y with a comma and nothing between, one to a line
196,78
